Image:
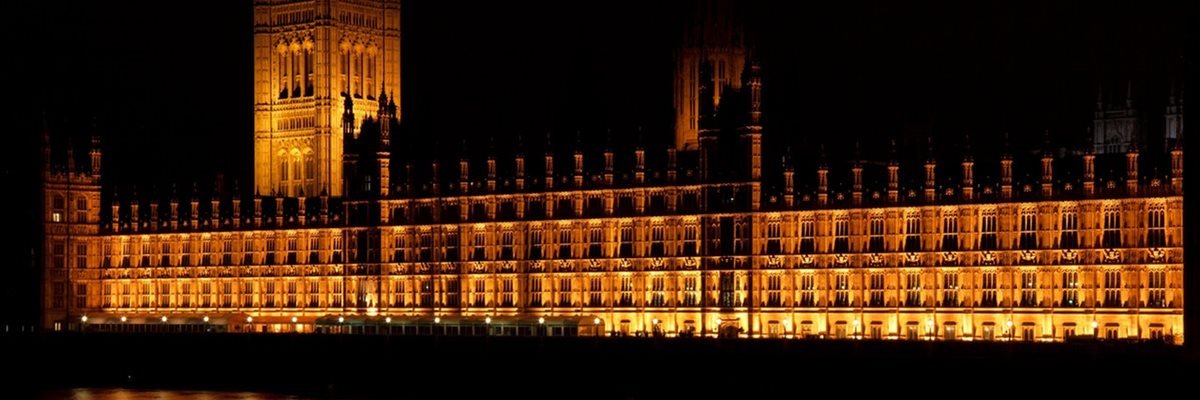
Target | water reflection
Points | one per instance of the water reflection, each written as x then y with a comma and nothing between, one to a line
134,394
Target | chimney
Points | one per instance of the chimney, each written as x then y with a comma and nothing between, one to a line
301,211
194,212
639,170
1006,180
1047,174
822,184
930,179
174,224
672,170
491,173
1177,168
133,212
1131,170
893,169
1089,172
464,175
116,216
324,208
789,185
257,211
520,170
578,167
608,167
279,210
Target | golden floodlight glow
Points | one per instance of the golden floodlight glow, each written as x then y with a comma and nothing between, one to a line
249,319
293,320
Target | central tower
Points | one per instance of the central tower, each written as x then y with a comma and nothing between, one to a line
308,56
713,38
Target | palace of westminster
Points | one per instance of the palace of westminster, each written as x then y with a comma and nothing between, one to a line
342,236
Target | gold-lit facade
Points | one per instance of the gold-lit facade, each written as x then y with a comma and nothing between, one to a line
699,249
308,56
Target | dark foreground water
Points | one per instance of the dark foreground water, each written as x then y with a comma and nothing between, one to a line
135,394
237,366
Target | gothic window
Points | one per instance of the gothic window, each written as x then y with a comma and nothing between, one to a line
1028,228
877,288
773,238
950,230
1155,223
1112,288
950,289
1158,293
841,233
912,289
1029,288
806,235
987,230
1068,236
875,242
626,241
912,231
1070,289
1112,226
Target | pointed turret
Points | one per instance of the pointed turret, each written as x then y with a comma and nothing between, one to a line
115,218
578,161
789,181
1006,179
519,164
1047,167
856,171
930,173
95,154
968,170
491,166
549,163
464,171
134,215
1089,169
1177,165
1131,168
822,179
194,208
893,171
608,160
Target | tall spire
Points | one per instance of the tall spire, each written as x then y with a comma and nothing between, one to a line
95,153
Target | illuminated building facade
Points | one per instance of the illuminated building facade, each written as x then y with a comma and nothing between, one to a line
687,248
308,56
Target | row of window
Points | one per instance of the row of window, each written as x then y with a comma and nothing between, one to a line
725,290
1068,232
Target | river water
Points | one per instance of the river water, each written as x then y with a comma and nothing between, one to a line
136,394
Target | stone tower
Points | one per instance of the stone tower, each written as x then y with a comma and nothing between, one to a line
308,55
70,216
713,35
1115,124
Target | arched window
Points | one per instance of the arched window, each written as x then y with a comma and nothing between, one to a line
81,207
310,166
57,205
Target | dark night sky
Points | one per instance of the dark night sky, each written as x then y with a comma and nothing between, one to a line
170,89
